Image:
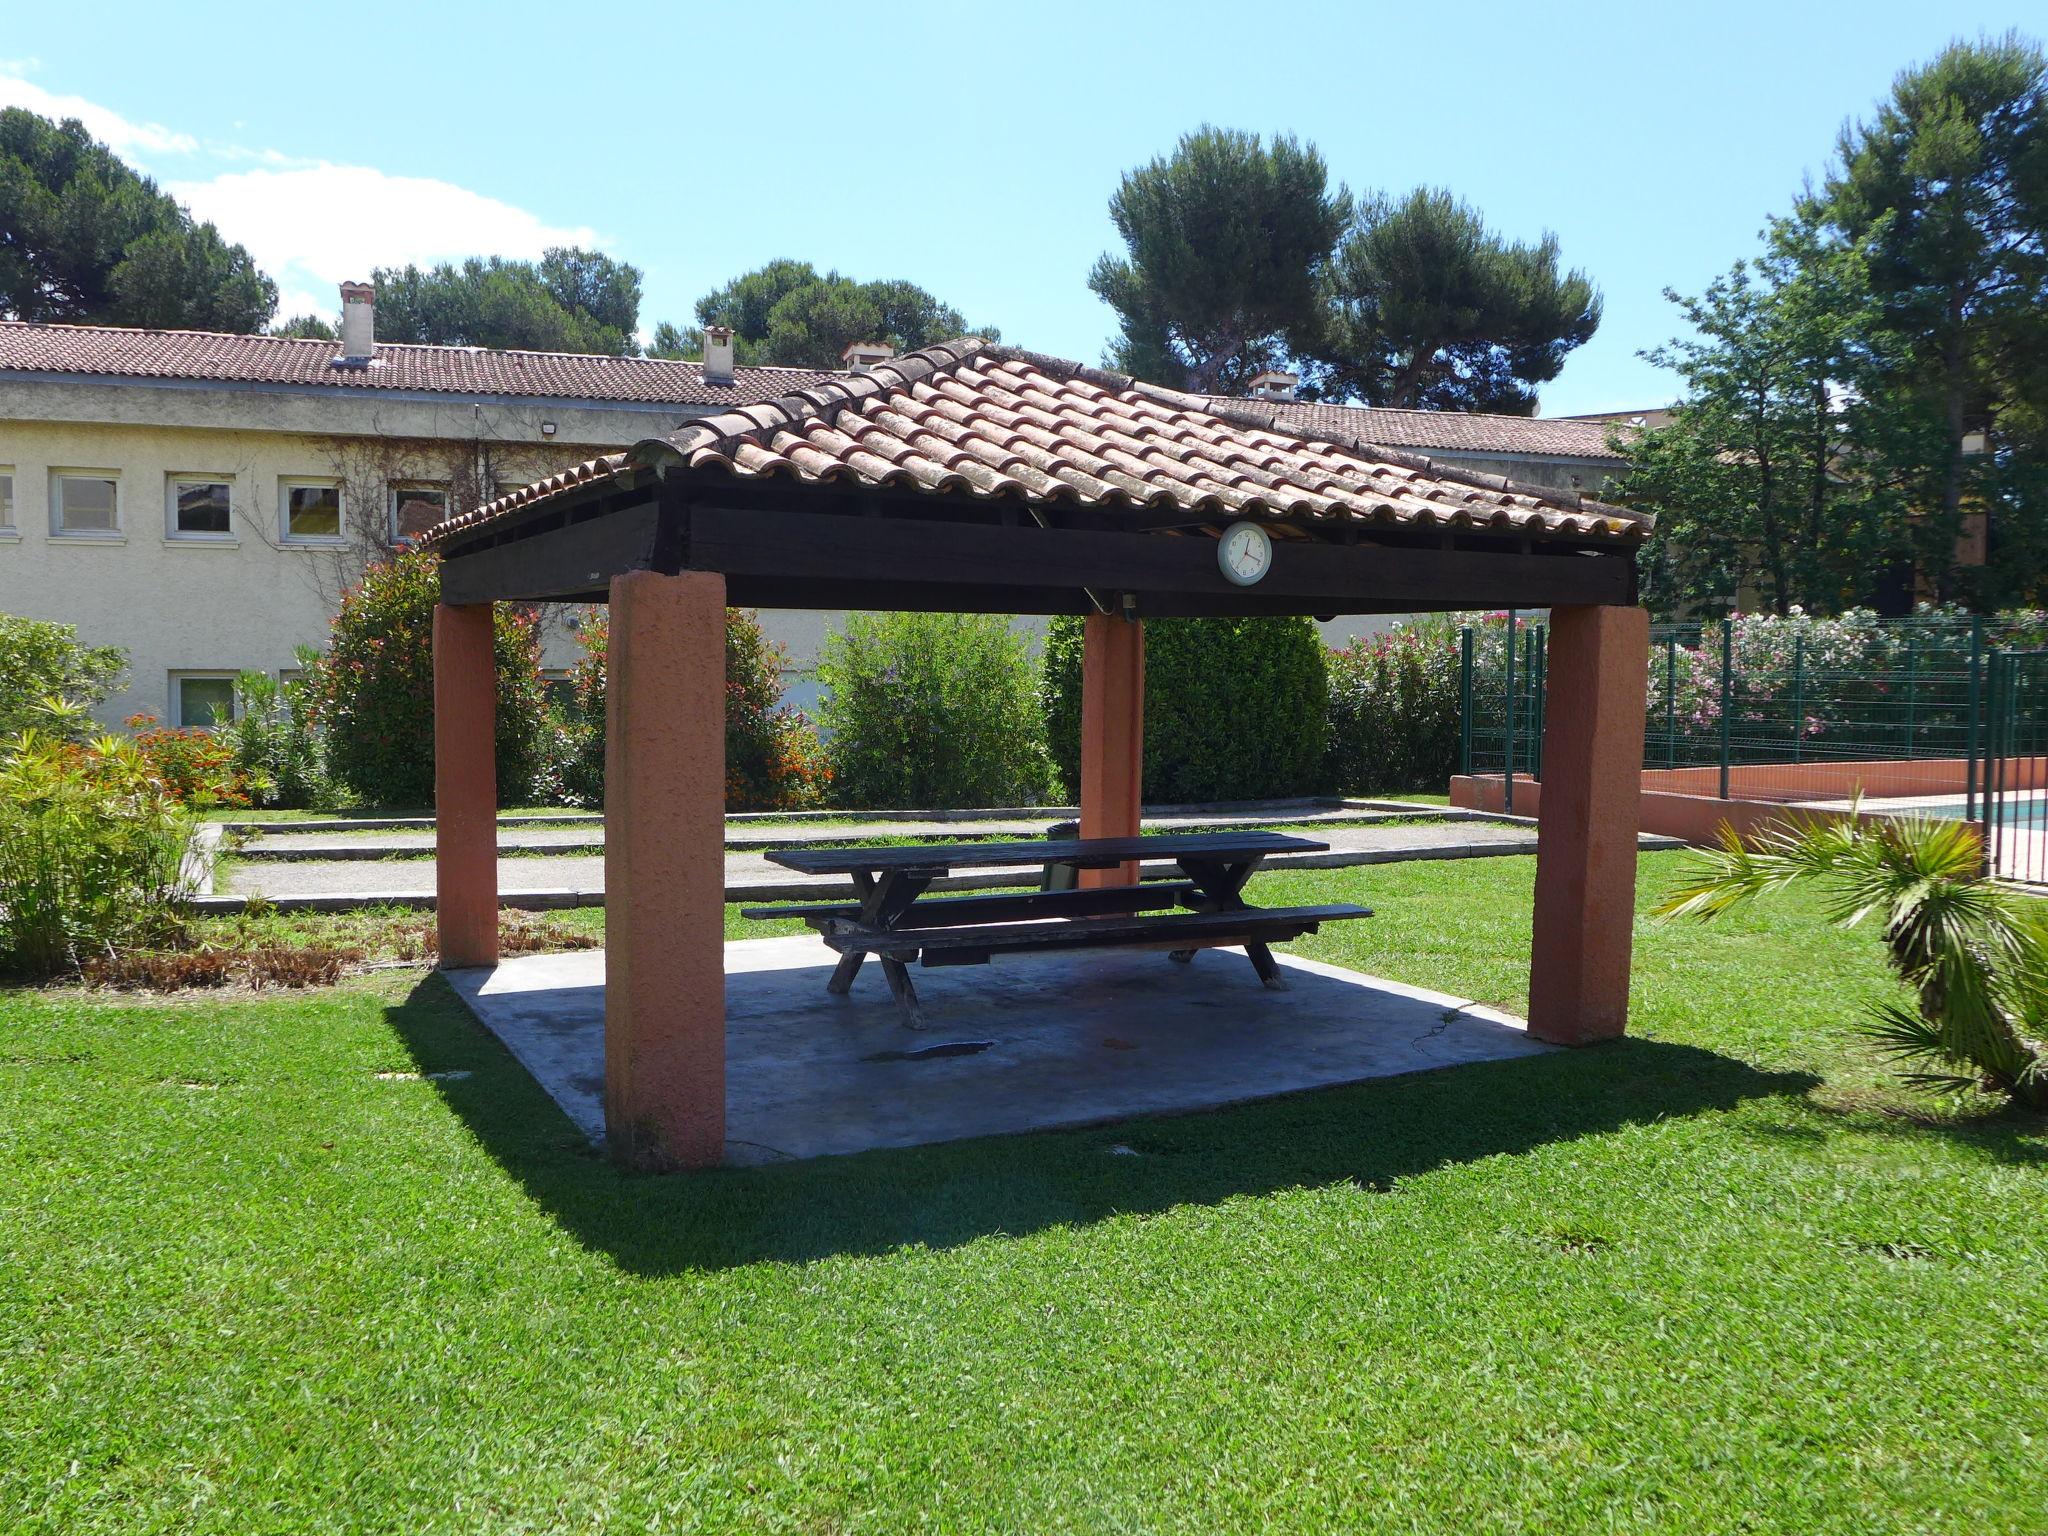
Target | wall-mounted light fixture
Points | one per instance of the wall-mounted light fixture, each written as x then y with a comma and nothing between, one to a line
547,429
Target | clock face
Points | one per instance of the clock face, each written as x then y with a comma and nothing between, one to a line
1245,553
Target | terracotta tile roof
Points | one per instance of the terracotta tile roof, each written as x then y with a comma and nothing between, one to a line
1445,431
969,418
118,352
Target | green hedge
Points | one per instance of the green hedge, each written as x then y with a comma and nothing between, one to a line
1234,708
932,709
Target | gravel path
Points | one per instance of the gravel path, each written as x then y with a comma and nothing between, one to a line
578,879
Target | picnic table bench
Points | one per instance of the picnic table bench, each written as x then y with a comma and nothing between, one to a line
893,919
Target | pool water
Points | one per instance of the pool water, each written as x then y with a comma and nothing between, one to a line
2019,811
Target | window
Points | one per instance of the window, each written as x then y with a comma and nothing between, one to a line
415,507
311,511
85,502
199,507
558,687
196,698
6,498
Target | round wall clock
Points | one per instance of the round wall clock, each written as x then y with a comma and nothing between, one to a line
1245,552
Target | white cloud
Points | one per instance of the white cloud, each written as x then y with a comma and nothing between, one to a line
313,226
308,223
129,139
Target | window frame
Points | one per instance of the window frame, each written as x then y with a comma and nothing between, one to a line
286,484
394,489
172,482
84,535
9,528
180,677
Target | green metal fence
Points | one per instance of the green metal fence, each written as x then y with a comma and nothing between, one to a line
2015,759
1749,705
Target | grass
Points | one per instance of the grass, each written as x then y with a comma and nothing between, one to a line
259,1272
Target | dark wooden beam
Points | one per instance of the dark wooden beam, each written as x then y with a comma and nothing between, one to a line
560,564
817,552
844,559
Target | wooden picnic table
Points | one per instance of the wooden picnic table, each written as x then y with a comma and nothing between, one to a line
894,920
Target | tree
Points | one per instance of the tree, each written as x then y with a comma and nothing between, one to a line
670,341
1974,953
1226,241
787,314
306,328
572,300
1753,481
48,681
84,239
1424,306
1947,186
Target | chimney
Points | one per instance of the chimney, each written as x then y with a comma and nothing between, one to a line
1274,384
358,326
860,356
717,354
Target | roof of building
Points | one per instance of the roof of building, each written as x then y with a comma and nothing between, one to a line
110,351
971,418
1446,431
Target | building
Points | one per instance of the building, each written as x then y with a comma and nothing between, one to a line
1561,453
202,500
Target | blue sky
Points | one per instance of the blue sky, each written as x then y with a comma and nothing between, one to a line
971,149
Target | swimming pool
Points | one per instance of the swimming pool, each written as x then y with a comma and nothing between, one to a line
2021,808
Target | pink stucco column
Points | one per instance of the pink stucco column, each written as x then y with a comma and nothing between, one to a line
664,871
1112,736
1586,823
465,786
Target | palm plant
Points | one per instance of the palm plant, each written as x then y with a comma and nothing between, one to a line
1974,952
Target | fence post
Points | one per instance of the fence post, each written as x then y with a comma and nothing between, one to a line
1912,687
1971,737
1798,695
1508,739
1727,693
1465,704
1539,673
1671,702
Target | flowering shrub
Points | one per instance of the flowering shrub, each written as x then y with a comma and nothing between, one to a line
195,767
773,761
1394,710
373,691
1852,681
91,848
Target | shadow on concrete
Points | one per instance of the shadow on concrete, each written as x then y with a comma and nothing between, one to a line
1370,1134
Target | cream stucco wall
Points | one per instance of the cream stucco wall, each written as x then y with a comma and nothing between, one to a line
180,604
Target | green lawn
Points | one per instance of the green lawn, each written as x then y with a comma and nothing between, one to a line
258,1276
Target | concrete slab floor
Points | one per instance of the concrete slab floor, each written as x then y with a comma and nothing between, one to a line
1025,1043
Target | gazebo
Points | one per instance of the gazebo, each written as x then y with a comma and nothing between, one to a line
973,477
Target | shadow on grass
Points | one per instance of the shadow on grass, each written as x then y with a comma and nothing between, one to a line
1371,1134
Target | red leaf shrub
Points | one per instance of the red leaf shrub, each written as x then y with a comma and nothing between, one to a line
373,690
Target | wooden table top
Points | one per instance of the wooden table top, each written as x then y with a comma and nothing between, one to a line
1083,853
